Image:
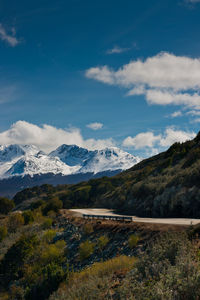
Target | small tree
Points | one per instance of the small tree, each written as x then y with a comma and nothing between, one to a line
28,217
6,205
86,249
49,235
102,242
54,204
47,223
15,221
133,240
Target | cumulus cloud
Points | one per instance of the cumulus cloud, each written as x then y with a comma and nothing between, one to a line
49,137
164,79
172,135
9,38
150,140
95,126
141,140
117,50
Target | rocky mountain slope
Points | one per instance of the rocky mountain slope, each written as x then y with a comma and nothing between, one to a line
165,185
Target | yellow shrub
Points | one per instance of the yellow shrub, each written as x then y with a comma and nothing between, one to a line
49,235
133,240
86,249
101,269
102,241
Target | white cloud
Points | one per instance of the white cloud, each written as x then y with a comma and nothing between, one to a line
49,137
171,136
150,140
193,113
141,140
164,98
164,79
101,74
9,38
117,50
95,126
176,114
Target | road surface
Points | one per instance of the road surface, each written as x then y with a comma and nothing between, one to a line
109,212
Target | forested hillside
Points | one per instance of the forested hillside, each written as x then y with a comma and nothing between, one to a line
165,185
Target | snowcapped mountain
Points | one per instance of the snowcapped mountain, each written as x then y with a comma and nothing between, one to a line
95,161
22,160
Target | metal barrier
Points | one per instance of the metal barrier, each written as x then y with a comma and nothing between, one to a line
115,218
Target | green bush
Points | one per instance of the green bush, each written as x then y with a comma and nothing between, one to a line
52,252
168,269
6,205
86,249
28,217
53,204
15,221
49,235
3,232
37,204
47,223
133,240
16,256
102,242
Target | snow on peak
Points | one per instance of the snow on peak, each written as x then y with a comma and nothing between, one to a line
71,155
20,160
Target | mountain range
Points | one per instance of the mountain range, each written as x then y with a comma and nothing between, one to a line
26,165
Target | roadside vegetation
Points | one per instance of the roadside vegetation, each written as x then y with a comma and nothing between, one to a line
43,258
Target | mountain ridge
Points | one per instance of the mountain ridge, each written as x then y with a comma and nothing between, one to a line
21,160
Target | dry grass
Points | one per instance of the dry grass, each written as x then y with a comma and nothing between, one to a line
95,282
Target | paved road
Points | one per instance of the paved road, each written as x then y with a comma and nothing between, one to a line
108,212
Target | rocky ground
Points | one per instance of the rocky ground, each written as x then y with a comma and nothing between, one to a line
77,230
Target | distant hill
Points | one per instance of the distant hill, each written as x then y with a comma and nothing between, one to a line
165,185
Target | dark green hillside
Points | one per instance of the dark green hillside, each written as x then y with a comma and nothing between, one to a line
165,185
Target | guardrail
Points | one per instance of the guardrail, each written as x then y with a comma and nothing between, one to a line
115,218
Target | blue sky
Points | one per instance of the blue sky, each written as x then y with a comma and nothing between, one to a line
100,73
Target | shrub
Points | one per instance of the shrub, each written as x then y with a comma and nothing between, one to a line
15,221
16,256
47,223
6,205
86,249
54,204
37,204
28,217
102,242
168,269
3,232
133,240
49,235
52,252
95,282
88,229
